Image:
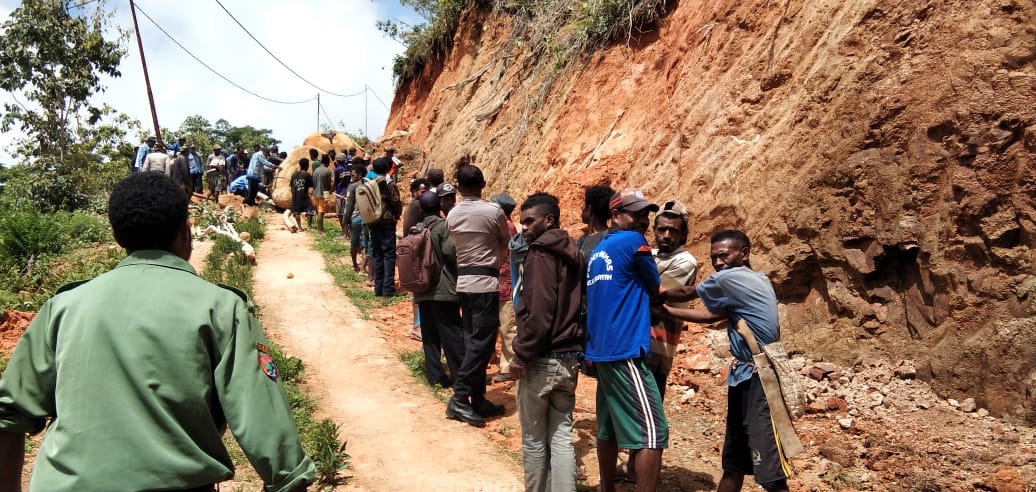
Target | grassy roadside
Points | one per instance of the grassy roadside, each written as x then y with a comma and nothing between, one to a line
335,251
225,264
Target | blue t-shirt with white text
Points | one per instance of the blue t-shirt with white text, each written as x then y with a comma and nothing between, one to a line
619,278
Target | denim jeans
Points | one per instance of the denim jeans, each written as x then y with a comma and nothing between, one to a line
357,234
546,398
383,250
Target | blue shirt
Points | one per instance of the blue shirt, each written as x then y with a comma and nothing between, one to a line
742,293
618,315
142,153
256,165
194,161
239,183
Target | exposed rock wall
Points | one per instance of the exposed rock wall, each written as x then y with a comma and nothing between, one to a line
881,155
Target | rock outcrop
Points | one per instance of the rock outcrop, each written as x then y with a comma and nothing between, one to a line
879,153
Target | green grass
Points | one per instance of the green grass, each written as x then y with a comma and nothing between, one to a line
414,362
26,289
338,263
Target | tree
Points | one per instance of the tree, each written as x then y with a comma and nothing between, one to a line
247,136
55,60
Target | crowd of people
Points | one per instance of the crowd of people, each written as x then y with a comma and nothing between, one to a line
239,172
606,306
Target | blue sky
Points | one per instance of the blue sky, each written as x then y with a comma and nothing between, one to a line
332,43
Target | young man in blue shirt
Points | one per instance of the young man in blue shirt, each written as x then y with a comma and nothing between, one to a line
621,280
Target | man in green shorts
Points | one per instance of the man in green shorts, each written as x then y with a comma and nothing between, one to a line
621,279
141,369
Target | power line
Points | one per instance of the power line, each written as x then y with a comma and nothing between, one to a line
279,60
231,82
375,94
328,118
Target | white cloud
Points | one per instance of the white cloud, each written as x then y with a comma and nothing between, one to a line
332,43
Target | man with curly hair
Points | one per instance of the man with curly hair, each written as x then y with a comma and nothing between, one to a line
135,374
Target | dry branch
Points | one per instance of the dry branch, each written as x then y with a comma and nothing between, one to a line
495,108
603,139
470,79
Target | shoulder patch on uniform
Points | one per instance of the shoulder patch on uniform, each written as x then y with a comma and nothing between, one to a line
643,250
71,285
266,363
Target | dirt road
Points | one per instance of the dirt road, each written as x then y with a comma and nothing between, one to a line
396,431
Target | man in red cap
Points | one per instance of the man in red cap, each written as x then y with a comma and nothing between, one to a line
621,279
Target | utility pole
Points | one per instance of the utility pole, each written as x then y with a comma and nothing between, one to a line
318,112
366,130
147,80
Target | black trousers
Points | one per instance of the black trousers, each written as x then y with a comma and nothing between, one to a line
441,333
481,322
253,190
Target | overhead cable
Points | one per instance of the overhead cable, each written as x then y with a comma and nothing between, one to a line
279,60
327,118
231,82
375,94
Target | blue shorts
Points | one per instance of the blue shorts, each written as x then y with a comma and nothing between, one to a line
357,234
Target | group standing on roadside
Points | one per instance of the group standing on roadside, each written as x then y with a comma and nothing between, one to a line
607,305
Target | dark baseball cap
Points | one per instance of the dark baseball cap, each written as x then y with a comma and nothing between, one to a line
505,201
631,200
445,189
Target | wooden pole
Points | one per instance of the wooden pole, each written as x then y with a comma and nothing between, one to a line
147,80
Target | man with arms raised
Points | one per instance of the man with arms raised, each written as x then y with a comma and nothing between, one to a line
733,293
141,369
621,278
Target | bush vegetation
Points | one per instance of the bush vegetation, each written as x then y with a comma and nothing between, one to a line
555,32
40,252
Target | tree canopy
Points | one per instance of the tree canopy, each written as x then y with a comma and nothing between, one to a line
55,60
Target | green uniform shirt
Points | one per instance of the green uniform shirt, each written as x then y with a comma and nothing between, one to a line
141,369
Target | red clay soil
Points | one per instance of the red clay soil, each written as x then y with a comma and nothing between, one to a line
12,325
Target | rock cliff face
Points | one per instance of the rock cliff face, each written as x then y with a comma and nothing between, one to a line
881,155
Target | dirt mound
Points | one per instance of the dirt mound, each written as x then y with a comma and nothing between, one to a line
878,153
12,325
327,141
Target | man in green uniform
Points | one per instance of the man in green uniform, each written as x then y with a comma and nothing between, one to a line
141,369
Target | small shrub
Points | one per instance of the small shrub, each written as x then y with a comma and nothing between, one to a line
27,234
255,227
327,451
83,228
